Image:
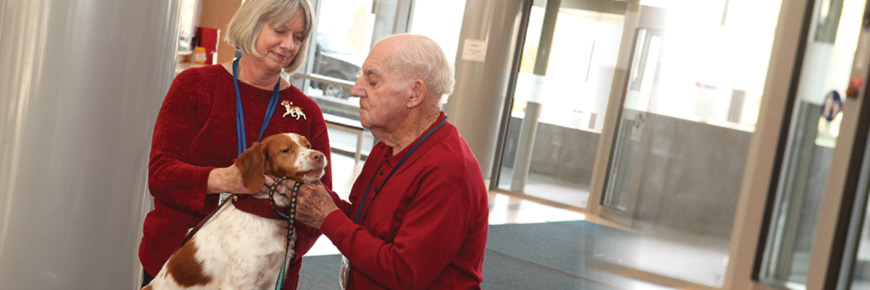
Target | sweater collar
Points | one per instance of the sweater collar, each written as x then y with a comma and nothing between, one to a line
404,151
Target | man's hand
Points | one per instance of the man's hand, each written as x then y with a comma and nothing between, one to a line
313,205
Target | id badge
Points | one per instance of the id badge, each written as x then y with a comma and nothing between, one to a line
344,272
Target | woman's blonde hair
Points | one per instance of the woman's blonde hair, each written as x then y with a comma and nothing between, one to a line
244,28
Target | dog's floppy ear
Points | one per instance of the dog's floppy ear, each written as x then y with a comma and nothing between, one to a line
252,167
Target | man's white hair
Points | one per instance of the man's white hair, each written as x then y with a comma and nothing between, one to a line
420,57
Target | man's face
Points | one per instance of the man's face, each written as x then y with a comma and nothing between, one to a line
383,94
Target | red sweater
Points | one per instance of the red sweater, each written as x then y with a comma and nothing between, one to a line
426,229
195,133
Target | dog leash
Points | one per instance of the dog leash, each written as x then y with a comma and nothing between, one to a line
291,218
200,224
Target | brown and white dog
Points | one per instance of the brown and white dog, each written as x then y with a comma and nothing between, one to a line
235,249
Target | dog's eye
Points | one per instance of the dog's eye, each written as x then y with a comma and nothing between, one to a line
309,146
286,150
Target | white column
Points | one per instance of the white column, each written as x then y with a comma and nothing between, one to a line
81,83
483,61
526,140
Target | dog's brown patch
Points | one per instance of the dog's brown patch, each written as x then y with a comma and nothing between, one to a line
185,268
147,287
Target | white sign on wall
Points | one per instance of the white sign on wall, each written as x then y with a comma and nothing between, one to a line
474,50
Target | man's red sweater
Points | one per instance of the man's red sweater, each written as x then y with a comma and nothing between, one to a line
425,228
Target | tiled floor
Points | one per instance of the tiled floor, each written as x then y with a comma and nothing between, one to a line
570,193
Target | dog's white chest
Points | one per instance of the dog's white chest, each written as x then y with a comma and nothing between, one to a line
237,250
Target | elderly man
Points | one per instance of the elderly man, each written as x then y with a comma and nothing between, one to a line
417,216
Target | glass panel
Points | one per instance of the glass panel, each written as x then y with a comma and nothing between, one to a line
342,40
812,139
186,26
428,19
859,267
345,32
689,107
336,57
560,101
647,51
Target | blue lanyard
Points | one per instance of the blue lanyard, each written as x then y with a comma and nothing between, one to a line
378,189
240,116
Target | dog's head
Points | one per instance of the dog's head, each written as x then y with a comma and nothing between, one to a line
279,155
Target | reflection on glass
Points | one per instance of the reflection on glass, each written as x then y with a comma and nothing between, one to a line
347,29
812,139
335,57
696,72
564,86
427,19
860,264
801,188
343,38
647,52
859,269
186,26
345,32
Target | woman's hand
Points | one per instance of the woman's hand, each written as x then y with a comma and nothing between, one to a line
226,179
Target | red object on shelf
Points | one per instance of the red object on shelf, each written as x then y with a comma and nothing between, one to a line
208,38
856,82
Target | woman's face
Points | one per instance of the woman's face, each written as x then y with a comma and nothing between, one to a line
279,44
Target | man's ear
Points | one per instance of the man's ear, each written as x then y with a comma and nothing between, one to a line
418,93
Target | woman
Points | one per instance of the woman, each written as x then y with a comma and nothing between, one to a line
195,138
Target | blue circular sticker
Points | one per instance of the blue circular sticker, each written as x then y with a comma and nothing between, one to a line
832,106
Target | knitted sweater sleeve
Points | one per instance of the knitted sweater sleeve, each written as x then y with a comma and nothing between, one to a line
172,179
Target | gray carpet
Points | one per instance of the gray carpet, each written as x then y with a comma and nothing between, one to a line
518,256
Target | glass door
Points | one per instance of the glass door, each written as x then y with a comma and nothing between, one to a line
855,265
621,195
814,137
560,100
687,107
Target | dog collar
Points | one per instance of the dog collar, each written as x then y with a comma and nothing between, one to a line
258,206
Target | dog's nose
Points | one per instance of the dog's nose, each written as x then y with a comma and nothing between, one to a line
317,157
